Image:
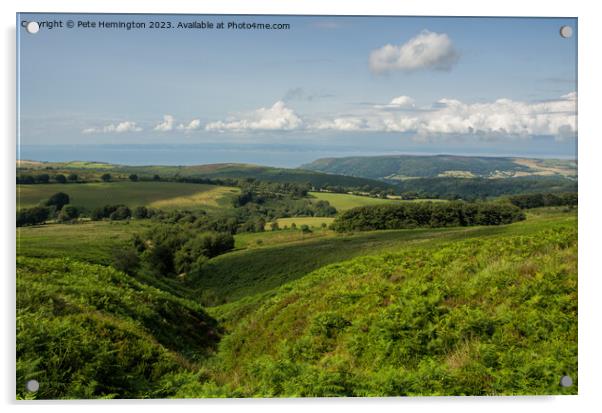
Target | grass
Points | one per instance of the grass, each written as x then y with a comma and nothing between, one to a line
343,202
248,272
486,316
312,222
91,241
164,195
89,331
478,310
248,240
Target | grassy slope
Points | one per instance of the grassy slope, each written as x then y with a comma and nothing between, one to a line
248,272
316,362
91,170
476,317
404,166
343,202
86,330
91,241
314,222
164,195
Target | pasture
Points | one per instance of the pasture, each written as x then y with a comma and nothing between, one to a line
91,241
247,272
343,202
163,195
312,222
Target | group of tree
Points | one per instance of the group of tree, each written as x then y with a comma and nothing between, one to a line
113,212
45,178
470,189
537,200
171,250
427,214
56,207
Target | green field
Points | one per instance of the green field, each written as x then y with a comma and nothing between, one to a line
486,316
91,241
472,310
163,195
254,271
312,222
343,202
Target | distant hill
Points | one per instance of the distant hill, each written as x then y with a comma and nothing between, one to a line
403,167
223,170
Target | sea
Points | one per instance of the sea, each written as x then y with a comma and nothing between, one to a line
281,155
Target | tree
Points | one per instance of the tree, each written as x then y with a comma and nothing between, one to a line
72,177
293,226
140,212
32,216
120,213
42,178
133,177
156,178
68,213
305,229
126,260
274,226
59,200
25,179
60,178
106,177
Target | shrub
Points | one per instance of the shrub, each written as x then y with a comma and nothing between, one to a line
42,178
59,200
32,216
140,212
68,213
120,213
60,179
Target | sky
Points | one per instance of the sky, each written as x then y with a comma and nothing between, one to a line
372,84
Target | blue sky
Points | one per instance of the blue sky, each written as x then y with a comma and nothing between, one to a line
440,83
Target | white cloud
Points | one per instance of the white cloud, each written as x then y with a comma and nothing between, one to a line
193,125
503,117
121,127
276,117
427,50
346,124
166,125
400,102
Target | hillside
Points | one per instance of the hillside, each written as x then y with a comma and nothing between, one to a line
162,195
477,317
87,331
401,167
481,310
93,170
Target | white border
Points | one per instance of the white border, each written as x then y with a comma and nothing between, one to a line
590,157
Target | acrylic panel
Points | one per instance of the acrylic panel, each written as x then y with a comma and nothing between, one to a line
295,206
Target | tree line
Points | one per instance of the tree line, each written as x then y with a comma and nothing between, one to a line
427,214
528,201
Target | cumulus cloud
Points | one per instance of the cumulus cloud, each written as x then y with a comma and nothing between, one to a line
192,126
502,117
428,50
276,117
121,127
399,102
166,125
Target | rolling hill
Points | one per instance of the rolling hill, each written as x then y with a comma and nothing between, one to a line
401,167
490,316
93,170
